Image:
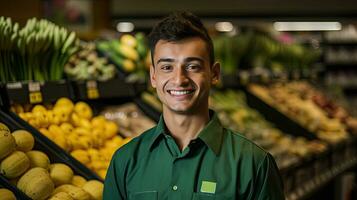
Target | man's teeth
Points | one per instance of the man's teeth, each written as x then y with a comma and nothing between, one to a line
180,92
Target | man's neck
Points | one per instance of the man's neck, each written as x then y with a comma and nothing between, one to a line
185,127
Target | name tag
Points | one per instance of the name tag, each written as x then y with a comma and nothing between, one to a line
208,187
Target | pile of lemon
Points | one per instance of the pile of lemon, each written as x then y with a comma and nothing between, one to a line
91,140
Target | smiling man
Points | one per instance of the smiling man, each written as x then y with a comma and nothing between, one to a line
189,155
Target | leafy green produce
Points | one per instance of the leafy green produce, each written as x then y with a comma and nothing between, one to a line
38,51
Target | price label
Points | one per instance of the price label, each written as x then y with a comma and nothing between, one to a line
35,97
92,93
92,90
34,86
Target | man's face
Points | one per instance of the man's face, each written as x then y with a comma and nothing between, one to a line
182,75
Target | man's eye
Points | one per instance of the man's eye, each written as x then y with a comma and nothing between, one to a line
192,67
166,67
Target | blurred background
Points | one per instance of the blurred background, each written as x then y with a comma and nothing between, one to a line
288,82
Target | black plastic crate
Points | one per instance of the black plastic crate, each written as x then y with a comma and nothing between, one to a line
37,92
4,183
114,88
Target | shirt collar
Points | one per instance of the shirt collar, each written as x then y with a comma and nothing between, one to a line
211,134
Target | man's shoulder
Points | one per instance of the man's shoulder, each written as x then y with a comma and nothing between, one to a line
244,147
137,144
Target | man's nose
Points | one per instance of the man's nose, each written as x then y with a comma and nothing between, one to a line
180,76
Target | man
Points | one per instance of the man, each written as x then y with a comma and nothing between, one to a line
189,155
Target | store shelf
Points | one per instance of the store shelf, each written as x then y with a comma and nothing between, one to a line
114,88
37,92
281,121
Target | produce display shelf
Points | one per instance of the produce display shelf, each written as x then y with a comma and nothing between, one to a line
36,92
114,88
306,190
281,121
326,168
54,152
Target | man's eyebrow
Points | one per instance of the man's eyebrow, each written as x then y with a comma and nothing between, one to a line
189,59
165,60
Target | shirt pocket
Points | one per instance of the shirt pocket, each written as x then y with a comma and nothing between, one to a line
202,196
145,195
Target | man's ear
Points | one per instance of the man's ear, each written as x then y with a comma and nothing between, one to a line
152,76
216,71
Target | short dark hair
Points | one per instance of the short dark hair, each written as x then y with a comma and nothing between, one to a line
178,26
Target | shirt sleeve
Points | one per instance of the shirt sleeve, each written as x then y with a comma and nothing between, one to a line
114,187
268,183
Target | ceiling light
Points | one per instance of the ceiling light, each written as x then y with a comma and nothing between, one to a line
307,26
125,27
224,26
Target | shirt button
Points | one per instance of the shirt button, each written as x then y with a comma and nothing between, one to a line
174,187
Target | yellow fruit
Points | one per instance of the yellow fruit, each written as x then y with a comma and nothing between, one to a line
61,174
95,189
61,196
14,165
102,173
35,123
129,65
46,133
128,52
24,140
62,114
98,138
76,193
80,131
81,155
61,141
111,129
75,119
7,141
3,127
78,181
83,110
6,194
128,40
23,116
39,108
36,183
67,128
98,122
85,142
38,159
65,104
55,130
85,123
41,118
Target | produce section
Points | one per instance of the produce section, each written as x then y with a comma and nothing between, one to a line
234,112
69,104
305,105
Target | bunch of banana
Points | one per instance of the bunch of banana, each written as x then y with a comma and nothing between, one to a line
130,52
73,127
86,65
38,51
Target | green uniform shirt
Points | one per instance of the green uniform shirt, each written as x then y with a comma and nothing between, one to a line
219,164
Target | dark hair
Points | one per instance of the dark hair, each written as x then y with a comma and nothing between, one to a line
178,26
